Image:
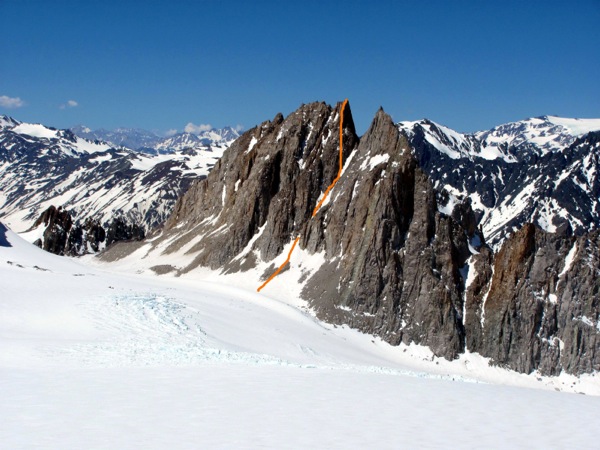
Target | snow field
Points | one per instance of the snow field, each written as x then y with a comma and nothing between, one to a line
280,407
94,359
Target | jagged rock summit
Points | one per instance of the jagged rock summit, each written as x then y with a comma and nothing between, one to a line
393,259
263,190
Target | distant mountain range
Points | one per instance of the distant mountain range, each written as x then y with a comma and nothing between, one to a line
42,167
149,142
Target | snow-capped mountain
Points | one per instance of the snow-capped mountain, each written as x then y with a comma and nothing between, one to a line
42,167
6,122
539,170
132,138
149,142
187,141
59,142
539,134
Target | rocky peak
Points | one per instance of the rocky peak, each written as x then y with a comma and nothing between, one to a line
392,261
392,258
8,122
395,263
264,188
57,223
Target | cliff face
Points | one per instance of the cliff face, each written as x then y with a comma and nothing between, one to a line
264,188
394,265
542,306
393,261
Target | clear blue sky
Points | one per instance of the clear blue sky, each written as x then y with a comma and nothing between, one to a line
162,64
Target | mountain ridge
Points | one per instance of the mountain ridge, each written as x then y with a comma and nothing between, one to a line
148,141
422,239
42,167
510,181
383,255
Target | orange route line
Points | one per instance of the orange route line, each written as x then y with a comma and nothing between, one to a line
280,267
340,168
322,200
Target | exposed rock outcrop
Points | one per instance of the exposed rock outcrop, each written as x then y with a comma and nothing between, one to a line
58,223
393,260
542,307
63,235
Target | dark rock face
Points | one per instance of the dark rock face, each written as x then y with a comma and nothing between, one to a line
394,264
63,236
58,224
86,238
394,260
120,230
3,241
543,304
270,177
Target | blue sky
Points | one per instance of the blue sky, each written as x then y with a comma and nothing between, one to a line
160,65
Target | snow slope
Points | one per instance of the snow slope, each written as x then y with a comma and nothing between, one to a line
94,359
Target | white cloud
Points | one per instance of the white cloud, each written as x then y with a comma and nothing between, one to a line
11,102
171,132
239,128
191,128
69,104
